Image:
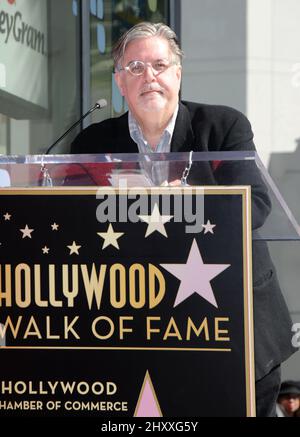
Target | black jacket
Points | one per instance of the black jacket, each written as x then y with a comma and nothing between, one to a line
201,127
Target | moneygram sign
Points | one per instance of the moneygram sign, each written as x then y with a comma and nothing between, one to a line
23,58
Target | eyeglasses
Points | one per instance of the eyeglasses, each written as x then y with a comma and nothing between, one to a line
137,68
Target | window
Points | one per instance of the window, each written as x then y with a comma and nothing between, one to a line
39,74
109,20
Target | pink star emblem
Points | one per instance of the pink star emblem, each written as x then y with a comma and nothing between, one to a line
195,276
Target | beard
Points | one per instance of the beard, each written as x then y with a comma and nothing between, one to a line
153,105
152,99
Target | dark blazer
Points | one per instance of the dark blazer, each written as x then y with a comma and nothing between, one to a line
202,127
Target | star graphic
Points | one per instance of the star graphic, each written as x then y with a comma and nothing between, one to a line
7,216
54,226
110,237
26,232
208,227
45,250
74,248
156,222
195,276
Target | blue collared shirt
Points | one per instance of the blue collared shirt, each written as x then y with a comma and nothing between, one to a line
164,145
157,171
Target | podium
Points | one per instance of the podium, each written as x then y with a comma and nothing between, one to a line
123,296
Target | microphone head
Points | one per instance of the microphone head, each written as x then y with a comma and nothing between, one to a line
101,103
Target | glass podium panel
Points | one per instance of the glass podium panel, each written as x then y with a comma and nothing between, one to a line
156,169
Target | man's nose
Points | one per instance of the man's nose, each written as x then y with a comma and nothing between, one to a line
149,73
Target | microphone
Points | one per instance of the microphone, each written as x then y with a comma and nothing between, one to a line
98,105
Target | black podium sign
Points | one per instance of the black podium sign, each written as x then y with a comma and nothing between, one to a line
126,302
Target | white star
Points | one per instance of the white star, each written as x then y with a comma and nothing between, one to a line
74,248
45,250
54,226
195,276
208,227
110,237
7,216
156,221
26,232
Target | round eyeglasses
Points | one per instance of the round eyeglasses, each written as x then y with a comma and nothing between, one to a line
137,68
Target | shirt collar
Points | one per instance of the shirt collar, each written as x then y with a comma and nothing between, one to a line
137,134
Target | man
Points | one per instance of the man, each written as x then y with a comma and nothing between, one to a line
288,403
147,62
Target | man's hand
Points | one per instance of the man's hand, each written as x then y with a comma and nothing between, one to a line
175,183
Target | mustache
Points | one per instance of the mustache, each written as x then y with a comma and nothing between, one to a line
151,87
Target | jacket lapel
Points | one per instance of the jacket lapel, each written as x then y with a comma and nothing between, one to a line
124,142
183,136
182,140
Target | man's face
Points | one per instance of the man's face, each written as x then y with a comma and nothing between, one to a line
290,402
151,92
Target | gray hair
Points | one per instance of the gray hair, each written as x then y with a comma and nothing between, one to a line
146,30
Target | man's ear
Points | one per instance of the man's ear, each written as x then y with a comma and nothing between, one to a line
119,82
178,72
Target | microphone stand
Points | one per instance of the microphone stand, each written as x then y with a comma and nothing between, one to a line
96,106
46,178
